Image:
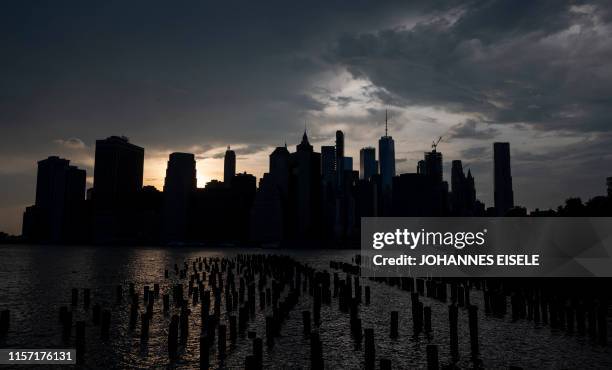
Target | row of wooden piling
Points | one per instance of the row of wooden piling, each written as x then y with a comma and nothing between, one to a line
421,315
581,317
4,323
228,291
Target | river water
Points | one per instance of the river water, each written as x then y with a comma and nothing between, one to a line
36,280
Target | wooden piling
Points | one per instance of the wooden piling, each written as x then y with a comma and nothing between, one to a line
80,339
258,352
184,324
144,327
432,357
204,353
233,328
105,327
269,331
453,315
417,314
316,352
385,364
306,322
473,324
173,338
369,350
427,319
4,323
221,343
394,324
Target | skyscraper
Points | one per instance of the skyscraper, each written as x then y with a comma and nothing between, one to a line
118,169
433,165
340,161
328,163
179,189
386,154
118,172
60,189
416,195
229,166
243,189
348,164
458,189
503,194
305,189
367,163
269,212
267,221
245,184
280,169
470,194
329,190
223,212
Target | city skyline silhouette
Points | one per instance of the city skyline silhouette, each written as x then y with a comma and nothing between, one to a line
304,196
250,76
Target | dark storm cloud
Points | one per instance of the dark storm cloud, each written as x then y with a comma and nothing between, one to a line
544,63
223,71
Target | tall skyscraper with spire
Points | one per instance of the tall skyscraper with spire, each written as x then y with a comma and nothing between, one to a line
305,189
229,166
502,177
386,153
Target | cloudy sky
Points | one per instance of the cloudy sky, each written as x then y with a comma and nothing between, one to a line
198,75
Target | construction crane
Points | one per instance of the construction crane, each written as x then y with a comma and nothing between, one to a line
434,144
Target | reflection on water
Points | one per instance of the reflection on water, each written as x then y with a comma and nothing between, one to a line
36,280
